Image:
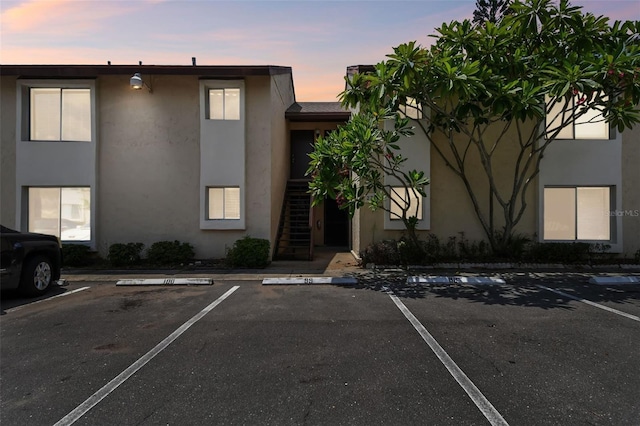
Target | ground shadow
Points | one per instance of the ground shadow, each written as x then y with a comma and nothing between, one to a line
13,298
521,288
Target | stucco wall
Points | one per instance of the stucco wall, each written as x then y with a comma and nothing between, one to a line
282,97
584,163
8,151
631,191
149,163
450,206
149,171
59,163
223,150
258,158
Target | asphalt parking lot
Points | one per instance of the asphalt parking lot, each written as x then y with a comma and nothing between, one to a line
529,352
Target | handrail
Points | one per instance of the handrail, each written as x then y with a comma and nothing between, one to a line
311,228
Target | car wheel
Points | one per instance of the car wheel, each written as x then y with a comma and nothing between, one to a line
36,276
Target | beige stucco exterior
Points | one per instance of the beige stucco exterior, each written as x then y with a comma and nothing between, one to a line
152,141
611,163
630,209
7,151
148,169
451,210
282,97
150,164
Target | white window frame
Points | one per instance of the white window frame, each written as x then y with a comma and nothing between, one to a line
25,107
59,212
398,190
54,163
411,109
223,155
224,90
224,204
576,213
571,128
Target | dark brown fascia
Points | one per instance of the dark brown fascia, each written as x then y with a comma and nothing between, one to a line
318,116
87,71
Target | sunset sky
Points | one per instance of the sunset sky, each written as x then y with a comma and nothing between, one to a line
319,39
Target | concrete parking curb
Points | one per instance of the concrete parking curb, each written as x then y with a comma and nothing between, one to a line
456,279
310,281
511,266
165,281
615,280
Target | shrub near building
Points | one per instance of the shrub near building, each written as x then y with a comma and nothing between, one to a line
170,253
125,254
249,252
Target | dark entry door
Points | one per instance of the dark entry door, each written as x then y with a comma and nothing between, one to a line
336,225
301,145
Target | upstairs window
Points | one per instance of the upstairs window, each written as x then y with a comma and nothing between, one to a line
590,125
58,114
224,104
411,109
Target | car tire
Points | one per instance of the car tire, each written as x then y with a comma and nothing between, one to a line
37,276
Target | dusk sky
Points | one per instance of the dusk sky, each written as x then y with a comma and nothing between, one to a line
318,39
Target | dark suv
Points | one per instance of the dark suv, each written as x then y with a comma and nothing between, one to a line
30,262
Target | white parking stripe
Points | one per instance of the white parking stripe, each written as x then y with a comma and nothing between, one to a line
588,302
94,399
474,393
48,298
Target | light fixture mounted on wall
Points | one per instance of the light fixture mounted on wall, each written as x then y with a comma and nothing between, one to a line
137,83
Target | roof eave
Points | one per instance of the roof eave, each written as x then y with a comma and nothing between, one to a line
79,71
318,116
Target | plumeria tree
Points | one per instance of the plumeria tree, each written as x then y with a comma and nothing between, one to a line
494,97
490,10
361,164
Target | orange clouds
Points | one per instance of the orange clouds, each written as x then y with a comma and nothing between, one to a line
59,16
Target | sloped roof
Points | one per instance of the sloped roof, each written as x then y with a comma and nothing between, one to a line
317,111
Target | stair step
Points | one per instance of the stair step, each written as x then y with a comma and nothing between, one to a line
294,237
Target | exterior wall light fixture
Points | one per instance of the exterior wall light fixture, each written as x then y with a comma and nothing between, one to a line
137,83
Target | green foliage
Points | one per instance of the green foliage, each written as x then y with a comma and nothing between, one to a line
473,250
460,249
249,252
558,252
125,254
490,10
76,255
499,79
369,154
170,253
512,246
384,252
411,252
